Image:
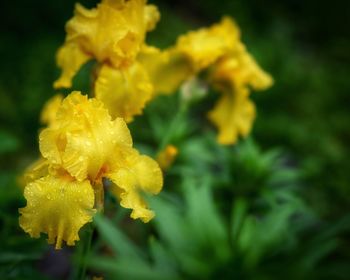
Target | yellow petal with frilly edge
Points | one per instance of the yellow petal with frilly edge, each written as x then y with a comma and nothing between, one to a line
58,207
133,175
233,116
124,92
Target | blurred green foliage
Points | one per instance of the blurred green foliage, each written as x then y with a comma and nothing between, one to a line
275,205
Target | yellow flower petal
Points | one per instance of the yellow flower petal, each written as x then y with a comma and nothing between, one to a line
167,156
70,57
134,174
48,114
84,138
167,69
204,46
58,207
233,115
124,93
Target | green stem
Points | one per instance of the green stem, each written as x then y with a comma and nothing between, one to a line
85,243
84,250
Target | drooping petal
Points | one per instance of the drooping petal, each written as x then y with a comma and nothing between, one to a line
58,207
48,114
70,57
124,93
133,175
233,116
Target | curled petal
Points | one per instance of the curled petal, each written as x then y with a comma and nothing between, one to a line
233,115
70,57
58,207
124,93
137,174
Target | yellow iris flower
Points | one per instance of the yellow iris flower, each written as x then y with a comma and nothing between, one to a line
81,146
113,34
230,69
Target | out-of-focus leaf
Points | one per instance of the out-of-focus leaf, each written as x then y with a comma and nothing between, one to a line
127,268
116,239
238,213
8,142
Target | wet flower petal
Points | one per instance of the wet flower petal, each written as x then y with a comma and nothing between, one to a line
136,174
58,207
124,93
84,137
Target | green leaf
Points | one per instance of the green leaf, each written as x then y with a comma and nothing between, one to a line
120,244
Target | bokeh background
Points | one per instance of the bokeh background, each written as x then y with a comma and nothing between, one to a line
301,134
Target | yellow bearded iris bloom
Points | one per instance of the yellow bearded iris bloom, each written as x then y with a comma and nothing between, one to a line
113,34
80,147
192,53
231,70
